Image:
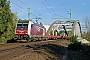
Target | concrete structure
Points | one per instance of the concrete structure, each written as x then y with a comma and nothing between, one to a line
57,25
47,26
76,29
72,25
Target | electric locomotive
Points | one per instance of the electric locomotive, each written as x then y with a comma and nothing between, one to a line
27,30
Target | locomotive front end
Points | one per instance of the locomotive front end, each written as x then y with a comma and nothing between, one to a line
21,31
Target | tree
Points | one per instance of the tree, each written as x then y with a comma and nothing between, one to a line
87,23
87,26
5,15
41,24
7,21
51,32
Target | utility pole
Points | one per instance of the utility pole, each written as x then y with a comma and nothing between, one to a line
28,13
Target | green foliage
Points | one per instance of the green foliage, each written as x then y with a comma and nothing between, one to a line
7,21
69,33
55,32
74,45
85,36
4,15
9,34
51,32
2,40
41,24
73,38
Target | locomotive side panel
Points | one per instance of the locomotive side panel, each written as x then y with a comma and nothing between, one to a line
36,30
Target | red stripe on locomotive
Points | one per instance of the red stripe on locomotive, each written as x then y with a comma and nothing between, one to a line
21,32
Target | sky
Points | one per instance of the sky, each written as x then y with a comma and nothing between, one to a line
51,10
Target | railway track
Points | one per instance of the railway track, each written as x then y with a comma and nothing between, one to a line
20,50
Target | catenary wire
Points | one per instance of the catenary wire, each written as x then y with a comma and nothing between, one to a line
63,5
47,8
50,7
33,10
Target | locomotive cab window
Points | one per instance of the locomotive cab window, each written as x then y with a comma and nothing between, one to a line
22,26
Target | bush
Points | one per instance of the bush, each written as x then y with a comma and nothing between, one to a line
74,45
73,39
2,40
